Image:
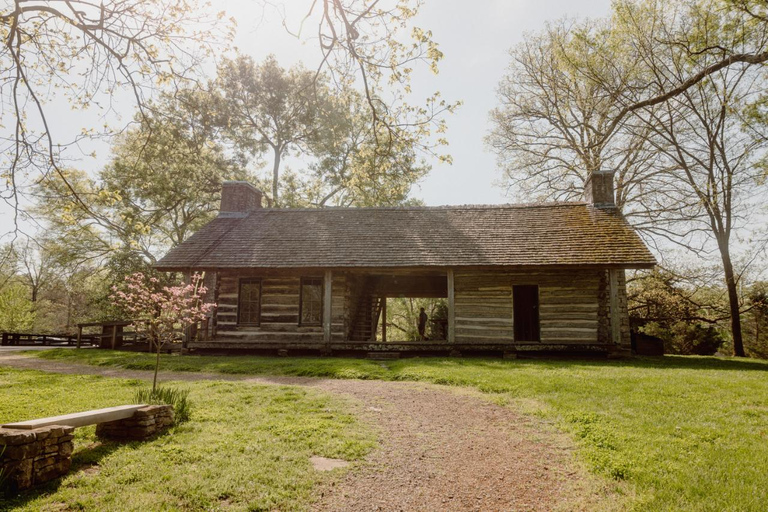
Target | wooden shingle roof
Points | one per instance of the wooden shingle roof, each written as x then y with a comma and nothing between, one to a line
447,236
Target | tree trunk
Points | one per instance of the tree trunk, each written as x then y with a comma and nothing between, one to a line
733,301
276,175
157,366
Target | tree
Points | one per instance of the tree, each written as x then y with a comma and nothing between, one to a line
158,312
690,175
557,101
166,173
16,310
743,22
36,262
281,112
687,317
757,300
347,168
268,107
403,318
711,182
162,184
80,53
361,42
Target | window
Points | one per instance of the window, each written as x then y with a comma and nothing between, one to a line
525,302
249,302
311,303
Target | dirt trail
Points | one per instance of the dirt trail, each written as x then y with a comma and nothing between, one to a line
441,448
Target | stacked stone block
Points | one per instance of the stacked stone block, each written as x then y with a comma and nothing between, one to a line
32,457
145,423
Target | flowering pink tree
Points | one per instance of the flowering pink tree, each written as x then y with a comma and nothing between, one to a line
159,312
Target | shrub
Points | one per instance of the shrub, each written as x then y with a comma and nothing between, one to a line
686,338
178,398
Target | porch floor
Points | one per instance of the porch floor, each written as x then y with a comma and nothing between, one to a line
431,347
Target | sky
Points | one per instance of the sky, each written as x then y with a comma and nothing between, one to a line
475,38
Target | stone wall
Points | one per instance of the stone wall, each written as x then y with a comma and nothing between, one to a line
145,423
32,457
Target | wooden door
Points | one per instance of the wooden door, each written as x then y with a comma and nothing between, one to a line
525,302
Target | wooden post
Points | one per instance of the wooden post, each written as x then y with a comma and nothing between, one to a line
613,285
327,306
79,335
215,313
384,320
113,340
374,318
451,308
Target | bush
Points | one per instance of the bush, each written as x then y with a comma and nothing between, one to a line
178,398
686,338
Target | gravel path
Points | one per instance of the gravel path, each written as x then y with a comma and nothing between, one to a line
440,448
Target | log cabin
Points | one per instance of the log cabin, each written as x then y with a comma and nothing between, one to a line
516,278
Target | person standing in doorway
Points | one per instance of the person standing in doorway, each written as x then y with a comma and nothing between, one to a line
422,324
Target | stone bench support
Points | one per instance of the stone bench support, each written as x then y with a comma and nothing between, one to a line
144,423
32,457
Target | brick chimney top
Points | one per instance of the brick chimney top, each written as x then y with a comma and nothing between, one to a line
598,189
238,198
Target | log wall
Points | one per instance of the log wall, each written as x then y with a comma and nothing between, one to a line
574,307
280,300
569,302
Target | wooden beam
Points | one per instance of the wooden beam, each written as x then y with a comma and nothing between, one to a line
328,294
384,320
613,284
451,307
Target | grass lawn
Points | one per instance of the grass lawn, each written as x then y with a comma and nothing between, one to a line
680,433
246,447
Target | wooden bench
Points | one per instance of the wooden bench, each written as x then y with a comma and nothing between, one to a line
80,419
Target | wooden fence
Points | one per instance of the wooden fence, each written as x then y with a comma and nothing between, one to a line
20,338
104,335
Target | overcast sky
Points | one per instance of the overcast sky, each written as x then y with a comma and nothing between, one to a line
475,38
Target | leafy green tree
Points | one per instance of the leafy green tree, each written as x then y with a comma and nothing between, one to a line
163,183
403,318
16,309
79,54
349,169
166,173
756,320
688,318
709,186
269,108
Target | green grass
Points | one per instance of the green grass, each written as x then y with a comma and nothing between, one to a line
679,433
246,446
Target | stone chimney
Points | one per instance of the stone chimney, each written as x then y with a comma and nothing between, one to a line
238,198
598,189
